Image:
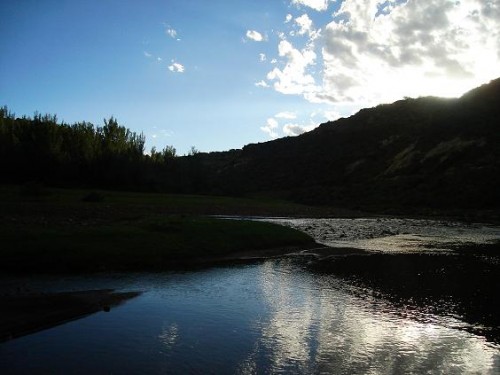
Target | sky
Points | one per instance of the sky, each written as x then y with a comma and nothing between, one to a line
220,74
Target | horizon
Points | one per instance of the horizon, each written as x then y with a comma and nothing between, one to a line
220,76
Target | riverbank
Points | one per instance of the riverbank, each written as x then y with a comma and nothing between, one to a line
58,231
24,310
65,231
74,232
152,243
25,313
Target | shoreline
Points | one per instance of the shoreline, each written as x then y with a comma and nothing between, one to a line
131,232
151,243
24,314
459,284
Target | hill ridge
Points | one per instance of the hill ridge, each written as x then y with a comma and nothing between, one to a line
415,152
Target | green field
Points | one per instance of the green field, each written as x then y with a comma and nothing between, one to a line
57,230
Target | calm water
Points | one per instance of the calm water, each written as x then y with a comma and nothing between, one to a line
267,317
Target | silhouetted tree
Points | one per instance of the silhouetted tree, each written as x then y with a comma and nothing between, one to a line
193,151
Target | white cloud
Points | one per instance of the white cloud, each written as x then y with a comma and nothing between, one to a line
319,5
294,77
270,128
254,35
374,51
176,67
262,84
288,18
262,57
272,123
331,115
296,129
305,24
147,54
171,32
413,48
286,115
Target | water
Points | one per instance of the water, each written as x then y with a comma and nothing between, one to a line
274,316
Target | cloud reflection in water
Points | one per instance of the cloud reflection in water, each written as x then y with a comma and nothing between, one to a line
316,327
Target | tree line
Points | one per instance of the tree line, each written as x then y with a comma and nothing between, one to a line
42,149
425,152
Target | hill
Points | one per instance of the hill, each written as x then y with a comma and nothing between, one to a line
427,152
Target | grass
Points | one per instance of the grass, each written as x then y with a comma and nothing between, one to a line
57,231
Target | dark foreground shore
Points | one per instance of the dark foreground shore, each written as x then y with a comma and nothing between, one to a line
22,314
462,284
74,232
120,232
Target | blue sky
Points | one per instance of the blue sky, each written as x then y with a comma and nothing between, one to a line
221,74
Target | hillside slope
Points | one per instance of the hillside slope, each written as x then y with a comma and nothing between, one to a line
425,152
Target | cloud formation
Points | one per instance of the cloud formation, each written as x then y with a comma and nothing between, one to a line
318,5
294,77
176,67
305,24
171,32
262,83
254,35
274,130
270,128
373,51
296,129
395,49
286,115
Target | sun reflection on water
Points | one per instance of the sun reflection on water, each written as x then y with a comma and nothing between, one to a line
315,329
169,335
269,317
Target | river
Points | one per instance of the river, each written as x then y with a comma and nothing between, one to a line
272,316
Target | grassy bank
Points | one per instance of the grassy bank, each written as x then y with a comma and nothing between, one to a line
32,199
46,230
152,243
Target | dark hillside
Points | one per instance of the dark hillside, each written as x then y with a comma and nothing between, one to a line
425,152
